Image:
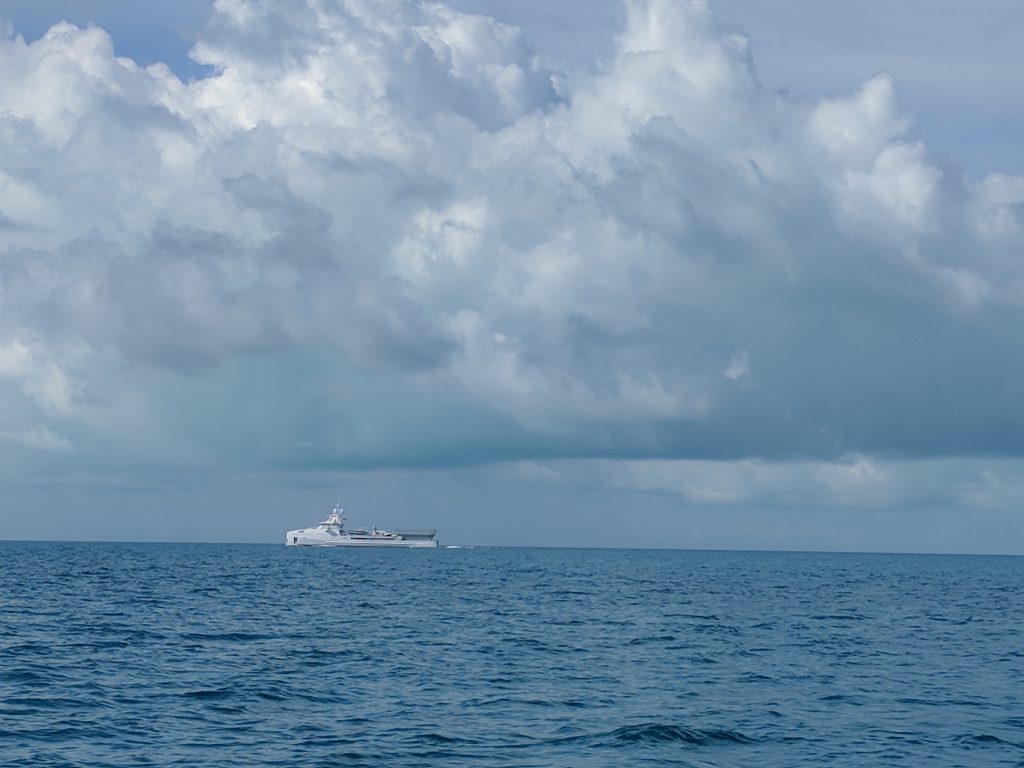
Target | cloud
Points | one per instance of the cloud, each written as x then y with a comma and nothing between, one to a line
396,234
785,491
739,366
39,437
41,377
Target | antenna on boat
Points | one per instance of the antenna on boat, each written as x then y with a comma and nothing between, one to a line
338,516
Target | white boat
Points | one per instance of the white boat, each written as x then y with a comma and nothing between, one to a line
331,533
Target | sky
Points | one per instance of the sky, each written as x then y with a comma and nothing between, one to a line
645,273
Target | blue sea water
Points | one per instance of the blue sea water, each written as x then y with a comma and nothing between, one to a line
222,655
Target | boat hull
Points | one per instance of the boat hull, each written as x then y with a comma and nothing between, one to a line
306,538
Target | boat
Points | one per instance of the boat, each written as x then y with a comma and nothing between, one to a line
332,533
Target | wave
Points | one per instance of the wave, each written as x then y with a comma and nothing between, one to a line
988,740
235,637
658,733
654,733
209,693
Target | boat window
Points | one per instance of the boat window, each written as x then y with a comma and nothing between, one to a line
295,539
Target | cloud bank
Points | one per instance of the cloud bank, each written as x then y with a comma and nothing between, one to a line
396,234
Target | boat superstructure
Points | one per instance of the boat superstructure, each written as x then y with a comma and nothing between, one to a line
331,532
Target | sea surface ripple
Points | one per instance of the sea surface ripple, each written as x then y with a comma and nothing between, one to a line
225,655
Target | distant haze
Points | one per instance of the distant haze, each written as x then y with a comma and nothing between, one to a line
653,273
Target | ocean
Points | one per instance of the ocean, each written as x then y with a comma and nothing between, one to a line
246,655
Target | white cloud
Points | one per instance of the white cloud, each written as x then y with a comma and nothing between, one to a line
855,131
999,205
14,359
584,260
739,366
849,484
39,437
855,481
42,379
